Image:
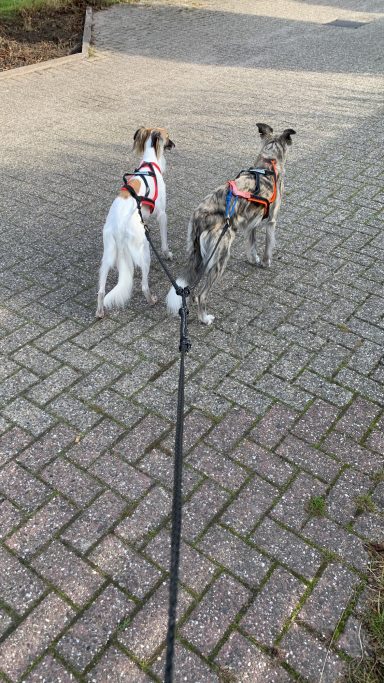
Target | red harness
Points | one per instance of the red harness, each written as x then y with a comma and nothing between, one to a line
254,196
145,200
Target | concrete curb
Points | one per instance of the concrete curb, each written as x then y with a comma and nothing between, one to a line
21,70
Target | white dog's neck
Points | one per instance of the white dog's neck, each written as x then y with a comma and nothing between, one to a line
150,156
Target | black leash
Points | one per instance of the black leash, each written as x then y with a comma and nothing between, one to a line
184,347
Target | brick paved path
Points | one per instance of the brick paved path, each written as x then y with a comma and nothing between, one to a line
284,392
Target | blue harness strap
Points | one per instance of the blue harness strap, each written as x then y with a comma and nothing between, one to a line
230,208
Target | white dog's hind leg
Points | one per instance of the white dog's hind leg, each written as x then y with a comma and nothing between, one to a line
144,262
162,219
107,262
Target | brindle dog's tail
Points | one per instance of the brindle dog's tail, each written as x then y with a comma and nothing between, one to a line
191,270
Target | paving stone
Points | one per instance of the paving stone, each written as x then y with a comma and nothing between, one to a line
94,522
371,526
354,639
343,496
235,555
264,463
365,359
201,508
328,535
358,418
216,466
49,670
327,390
101,437
151,620
196,571
329,359
316,462
120,476
159,467
187,667
41,527
28,416
21,487
246,663
137,379
291,363
152,511
5,621
65,477
292,509
287,548
225,435
60,566
311,658
282,390
144,435
272,606
47,447
125,566
316,421
38,362
33,636
349,452
19,337
242,395
274,425
329,599
363,385
251,503
65,330
75,412
376,439
86,637
97,380
53,385
210,619
116,667
196,426
80,359
19,587
16,384
10,516
204,399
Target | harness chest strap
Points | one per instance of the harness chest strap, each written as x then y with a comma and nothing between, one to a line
252,197
129,181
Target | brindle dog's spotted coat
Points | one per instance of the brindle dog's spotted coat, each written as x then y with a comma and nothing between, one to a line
208,219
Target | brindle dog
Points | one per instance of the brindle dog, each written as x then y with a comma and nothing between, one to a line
208,219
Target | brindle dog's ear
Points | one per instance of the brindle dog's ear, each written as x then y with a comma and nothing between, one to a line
169,144
264,129
286,135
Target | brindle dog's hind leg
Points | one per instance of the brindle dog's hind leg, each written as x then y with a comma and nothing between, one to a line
220,260
252,254
269,243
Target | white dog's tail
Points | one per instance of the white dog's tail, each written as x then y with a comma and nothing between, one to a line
173,301
121,293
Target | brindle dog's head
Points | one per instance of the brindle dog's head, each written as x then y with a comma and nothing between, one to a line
157,137
274,146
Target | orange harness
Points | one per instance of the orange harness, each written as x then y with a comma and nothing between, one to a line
235,193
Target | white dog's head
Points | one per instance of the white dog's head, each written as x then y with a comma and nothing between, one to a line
154,137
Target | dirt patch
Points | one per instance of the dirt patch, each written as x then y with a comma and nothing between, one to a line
31,36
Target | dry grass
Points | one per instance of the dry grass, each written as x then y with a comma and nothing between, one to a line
370,669
36,30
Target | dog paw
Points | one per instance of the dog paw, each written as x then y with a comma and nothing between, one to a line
168,255
266,263
254,259
207,319
151,298
99,313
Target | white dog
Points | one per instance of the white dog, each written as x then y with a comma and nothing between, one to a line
125,243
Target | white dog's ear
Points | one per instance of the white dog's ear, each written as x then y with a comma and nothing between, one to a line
264,129
157,140
139,139
286,135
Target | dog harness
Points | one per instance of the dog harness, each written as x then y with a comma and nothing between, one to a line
234,193
145,200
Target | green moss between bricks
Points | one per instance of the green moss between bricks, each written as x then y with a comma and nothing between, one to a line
317,506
